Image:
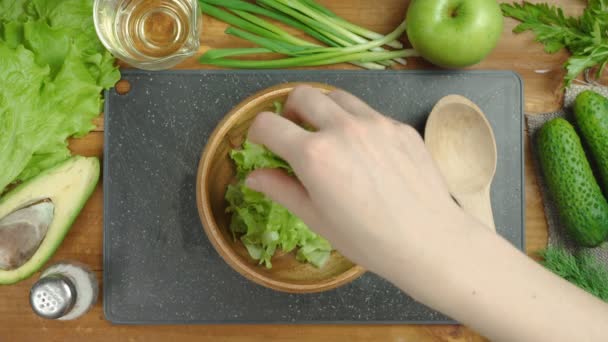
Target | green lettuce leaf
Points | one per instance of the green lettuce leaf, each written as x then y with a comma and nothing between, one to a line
12,10
252,157
21,80
265,226
53,72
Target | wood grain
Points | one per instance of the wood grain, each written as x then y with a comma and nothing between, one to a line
542,74
462,142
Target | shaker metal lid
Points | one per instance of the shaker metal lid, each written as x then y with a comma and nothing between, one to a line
53,296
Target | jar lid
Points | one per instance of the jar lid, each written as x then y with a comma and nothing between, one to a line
53,296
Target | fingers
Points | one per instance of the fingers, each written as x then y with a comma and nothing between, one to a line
352,104
309,105
280,135
285,190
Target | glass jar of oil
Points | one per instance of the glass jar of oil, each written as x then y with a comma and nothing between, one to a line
149,34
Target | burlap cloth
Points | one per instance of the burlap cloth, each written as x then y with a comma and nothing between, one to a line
557,232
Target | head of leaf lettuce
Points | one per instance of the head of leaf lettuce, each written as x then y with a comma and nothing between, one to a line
53,69
262,225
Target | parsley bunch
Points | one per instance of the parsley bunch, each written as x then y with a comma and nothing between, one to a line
586,37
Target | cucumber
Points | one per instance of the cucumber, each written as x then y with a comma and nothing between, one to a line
579,199
591,112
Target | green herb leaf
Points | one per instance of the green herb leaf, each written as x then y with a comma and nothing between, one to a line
585,37
580,270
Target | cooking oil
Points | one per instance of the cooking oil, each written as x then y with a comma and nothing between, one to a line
152,34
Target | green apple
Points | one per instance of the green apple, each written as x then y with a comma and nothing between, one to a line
454,33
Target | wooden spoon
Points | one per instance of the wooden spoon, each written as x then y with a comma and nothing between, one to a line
463,145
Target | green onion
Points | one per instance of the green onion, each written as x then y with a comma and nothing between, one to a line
317,6
339,26
349,26
238,22
272,28
308,61
363,47
274,46
346,42
222,53
324,56
298,50
310,17
301,17
319,19
343,43
251,8
270,36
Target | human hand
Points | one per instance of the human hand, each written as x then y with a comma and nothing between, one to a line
368,185
365,182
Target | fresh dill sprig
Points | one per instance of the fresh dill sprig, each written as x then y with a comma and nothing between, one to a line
581,270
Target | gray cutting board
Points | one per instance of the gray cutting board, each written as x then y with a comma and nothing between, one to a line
159,267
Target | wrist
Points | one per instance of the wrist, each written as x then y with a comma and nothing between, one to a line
434,262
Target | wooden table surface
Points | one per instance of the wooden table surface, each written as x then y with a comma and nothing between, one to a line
542,74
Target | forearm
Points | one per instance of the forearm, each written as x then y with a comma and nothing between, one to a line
394,215
492,287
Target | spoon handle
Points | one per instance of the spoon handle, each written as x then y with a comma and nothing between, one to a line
478,205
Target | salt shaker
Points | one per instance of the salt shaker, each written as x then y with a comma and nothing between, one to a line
65,291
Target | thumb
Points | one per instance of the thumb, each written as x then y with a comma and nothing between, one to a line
285,190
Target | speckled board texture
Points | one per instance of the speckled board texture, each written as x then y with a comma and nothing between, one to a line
159,267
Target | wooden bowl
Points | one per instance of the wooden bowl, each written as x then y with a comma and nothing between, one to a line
216,171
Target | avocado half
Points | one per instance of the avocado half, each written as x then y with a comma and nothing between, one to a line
68,186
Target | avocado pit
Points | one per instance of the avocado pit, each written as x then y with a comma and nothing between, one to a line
22,232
